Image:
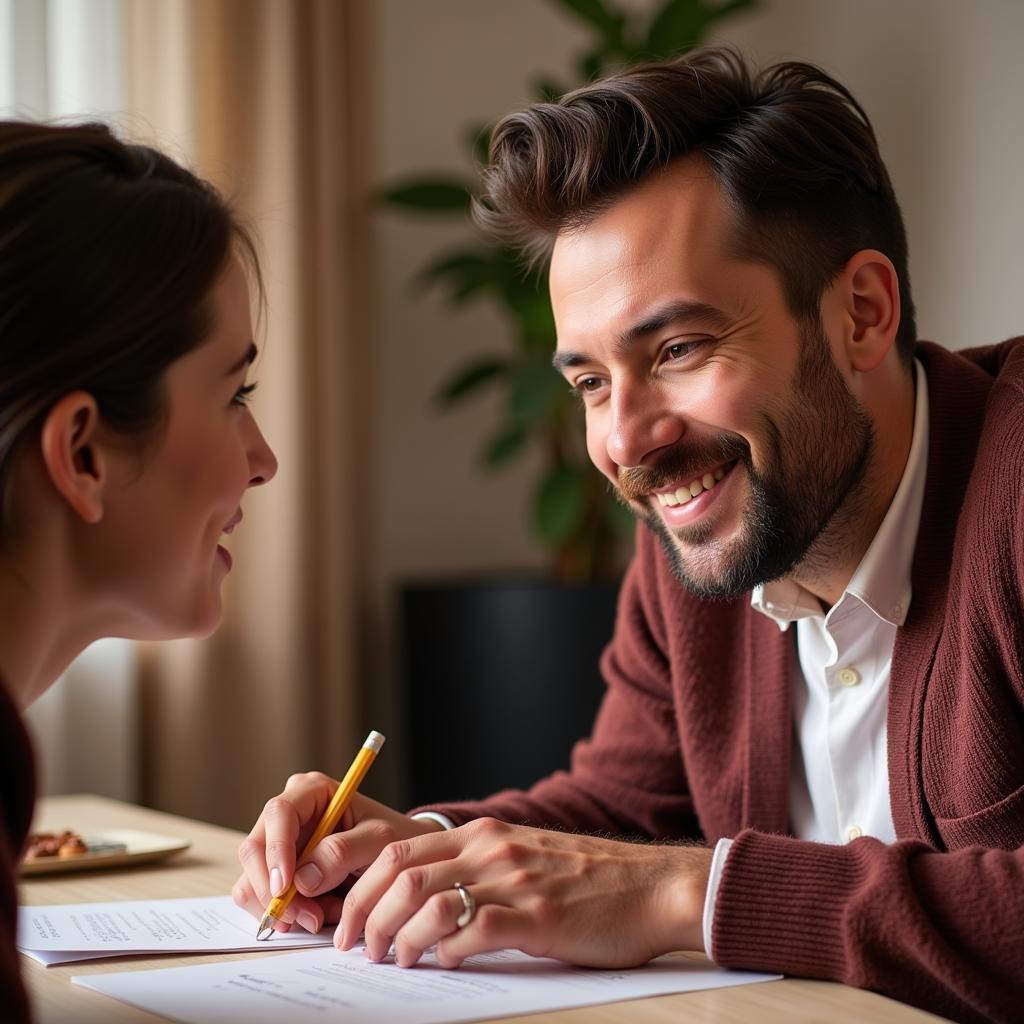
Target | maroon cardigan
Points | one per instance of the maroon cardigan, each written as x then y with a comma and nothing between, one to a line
693,740
17,797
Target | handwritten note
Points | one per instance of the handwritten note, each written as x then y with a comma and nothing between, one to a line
325,985
88,931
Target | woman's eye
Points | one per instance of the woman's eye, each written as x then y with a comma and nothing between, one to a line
243,394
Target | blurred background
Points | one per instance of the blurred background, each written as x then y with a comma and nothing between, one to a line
430,562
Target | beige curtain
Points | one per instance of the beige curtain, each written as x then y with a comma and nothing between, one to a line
265,98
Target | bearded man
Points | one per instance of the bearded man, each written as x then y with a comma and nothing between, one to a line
815,704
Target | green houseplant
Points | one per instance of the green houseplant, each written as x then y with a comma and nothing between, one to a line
574,513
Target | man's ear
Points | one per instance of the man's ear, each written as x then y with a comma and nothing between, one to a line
75,462
869,292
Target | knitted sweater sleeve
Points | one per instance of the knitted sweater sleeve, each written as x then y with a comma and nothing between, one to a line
627,777
944,931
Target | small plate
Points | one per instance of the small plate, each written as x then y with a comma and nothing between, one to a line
130,848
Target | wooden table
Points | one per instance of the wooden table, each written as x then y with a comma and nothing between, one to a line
210,868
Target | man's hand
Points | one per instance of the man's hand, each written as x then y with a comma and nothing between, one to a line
269,852
589,901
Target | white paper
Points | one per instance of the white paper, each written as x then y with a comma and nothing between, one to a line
323,984
72,932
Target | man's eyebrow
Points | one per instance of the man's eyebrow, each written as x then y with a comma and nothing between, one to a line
655,320
673,312
247,360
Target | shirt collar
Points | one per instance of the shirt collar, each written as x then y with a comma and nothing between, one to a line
882,579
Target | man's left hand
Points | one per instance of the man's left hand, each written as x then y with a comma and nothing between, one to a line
585,900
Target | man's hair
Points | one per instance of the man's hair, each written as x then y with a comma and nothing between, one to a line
791,149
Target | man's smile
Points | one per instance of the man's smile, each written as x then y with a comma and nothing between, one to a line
683,493
680,503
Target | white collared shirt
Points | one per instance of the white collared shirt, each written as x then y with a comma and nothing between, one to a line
839,777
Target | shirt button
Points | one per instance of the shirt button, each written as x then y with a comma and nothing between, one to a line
849,676
853,832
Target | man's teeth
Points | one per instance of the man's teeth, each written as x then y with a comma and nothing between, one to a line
692,489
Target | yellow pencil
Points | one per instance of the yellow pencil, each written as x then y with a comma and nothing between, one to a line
335,809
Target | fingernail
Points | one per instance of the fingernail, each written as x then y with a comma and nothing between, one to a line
309,877
309,922
276,882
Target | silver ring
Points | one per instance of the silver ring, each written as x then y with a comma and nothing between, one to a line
468,905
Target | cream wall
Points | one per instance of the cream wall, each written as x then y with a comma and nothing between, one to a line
943,83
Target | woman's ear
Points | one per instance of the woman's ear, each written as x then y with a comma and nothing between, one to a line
74,460
870,293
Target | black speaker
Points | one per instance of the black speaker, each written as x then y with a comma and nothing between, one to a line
501,680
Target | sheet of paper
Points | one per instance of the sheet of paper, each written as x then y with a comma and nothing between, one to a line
88,931
325,985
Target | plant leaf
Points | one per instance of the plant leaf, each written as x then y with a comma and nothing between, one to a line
535,387
590,67
538,324
732,7
548,90
527,298
559,504
464,272
437,195
504,444
470,378
678,26
622,521
458,263
480,143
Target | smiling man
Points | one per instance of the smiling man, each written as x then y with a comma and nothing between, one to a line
815,706
723,421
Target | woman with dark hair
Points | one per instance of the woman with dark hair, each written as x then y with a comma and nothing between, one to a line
125,440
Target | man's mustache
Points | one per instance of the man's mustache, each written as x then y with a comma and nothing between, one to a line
684,462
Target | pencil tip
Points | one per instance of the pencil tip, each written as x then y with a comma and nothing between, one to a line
266,925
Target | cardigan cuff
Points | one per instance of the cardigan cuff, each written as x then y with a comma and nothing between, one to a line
781,904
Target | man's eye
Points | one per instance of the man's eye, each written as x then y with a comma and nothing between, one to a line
679,350
586,386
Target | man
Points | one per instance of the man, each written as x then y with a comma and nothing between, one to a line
816,673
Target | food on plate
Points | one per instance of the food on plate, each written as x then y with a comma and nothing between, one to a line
54,844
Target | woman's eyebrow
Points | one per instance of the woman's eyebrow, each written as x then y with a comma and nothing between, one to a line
247,360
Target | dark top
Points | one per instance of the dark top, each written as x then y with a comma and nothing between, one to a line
17,798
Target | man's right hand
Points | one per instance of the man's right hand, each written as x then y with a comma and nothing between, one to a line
268,855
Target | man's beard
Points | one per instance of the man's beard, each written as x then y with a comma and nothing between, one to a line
819,448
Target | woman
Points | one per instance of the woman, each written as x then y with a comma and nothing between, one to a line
125,440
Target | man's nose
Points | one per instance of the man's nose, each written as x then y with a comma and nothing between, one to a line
641,426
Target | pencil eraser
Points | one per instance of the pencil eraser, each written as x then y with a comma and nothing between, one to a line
374,741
